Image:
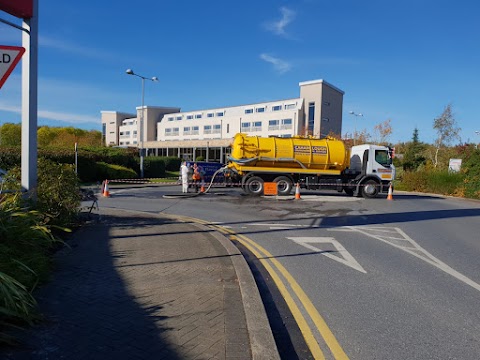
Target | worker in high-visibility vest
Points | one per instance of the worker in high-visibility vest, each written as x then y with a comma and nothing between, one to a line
197,175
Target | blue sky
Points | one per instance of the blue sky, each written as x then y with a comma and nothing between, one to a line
398,60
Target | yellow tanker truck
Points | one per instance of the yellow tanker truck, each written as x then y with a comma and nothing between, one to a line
364,170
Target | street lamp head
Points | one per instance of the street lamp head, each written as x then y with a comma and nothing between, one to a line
130,72
350,112
154,78
360,114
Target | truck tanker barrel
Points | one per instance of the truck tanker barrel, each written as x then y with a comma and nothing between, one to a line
296,152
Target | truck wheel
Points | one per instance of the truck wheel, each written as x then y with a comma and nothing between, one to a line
284,185
370,189
254,186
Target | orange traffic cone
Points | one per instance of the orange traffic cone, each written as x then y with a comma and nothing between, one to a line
106,193
297,192
390,192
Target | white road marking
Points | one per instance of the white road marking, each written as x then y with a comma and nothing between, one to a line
279,224
403,242
345,257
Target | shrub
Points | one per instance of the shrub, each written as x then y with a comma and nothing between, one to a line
154,167
25,241
172,163
58,191
471,169
113,172
432,181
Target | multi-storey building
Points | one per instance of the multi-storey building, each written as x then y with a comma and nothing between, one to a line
168,131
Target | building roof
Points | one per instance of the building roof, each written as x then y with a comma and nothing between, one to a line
321,81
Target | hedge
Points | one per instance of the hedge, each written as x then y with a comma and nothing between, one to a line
89,157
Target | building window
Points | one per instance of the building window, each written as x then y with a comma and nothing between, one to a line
187,130
104,129
198,116
286,135
210,115
248,111
207,129
273,124
286,124
276,107
228,128
216,129
290,106
179,117
195,130
311,117
260,109
189,117
257,126
220,113
170,118
245,126
168,132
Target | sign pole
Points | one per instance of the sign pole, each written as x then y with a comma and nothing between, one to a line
30,101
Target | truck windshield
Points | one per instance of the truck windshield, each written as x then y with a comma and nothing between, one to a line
381,157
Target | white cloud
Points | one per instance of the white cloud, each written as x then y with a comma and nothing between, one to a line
278,27
69,47
280,65
53,115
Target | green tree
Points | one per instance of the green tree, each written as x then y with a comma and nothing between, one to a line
413,156
10,134
46,136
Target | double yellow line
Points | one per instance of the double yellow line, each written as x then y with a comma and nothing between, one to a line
277,271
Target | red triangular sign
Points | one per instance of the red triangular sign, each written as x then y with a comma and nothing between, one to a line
9,58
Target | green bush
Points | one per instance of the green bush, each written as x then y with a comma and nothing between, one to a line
114,172
432,181
172,163
87,157
10,157
58,191
471,169
154,167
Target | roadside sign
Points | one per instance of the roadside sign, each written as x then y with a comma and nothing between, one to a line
9,58
455,165
270,188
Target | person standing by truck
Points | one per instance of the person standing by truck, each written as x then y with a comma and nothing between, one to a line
197,175
184,173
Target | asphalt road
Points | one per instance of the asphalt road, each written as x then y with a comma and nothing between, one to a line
370,278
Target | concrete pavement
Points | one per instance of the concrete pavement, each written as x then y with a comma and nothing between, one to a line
144,286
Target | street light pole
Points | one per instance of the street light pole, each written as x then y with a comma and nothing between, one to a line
130,72
355,133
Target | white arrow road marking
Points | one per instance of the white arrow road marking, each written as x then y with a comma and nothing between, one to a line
346,258
397,238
